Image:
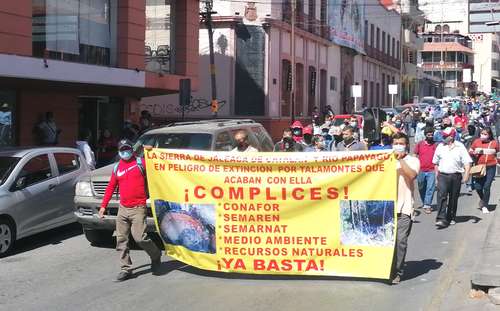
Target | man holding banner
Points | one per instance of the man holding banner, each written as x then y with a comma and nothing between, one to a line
407,168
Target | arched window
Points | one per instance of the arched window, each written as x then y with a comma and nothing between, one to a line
446,29
437,28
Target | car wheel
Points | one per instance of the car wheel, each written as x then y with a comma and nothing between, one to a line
7,237
99,237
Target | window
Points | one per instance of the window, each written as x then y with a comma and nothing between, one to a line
265,143
372,35
388,45
73,30
398,53
158,42
197,141
67,162
393,47
378,39
36,170
383,42
437,28
366,32
224,142
7,113
333,83
446,28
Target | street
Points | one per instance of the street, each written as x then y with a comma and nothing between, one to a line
59,270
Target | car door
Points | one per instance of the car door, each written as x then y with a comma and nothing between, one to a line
34,188
69,166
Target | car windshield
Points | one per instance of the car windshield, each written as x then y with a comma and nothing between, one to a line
195,141
429,101
7,164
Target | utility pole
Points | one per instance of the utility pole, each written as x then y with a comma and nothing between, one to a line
207,18
292,92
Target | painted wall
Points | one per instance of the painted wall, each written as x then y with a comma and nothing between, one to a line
168,105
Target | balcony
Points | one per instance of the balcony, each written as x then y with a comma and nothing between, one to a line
306,22
435,66
382,57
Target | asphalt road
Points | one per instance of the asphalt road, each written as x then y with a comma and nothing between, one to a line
59,270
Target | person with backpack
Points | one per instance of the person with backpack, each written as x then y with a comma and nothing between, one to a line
129,175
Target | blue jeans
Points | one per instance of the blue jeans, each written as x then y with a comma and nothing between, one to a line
483,184
426,186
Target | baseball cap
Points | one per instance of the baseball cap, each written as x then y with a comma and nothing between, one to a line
307,130
125,144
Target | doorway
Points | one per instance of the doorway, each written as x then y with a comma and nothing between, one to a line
99,113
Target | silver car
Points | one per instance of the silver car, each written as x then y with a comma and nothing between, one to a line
36,191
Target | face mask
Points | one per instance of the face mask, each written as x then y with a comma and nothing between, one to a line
125,154
485,137
297,132
353,124
459,130
448,140
399,148
348,140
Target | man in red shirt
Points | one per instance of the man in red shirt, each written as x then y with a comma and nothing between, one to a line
129,176
427,177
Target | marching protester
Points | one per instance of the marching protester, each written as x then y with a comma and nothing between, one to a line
297,131
484,152
426,178
129,176
348,143
407,170
242,144
452,169
287,144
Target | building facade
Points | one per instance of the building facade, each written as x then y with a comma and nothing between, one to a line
486,61
253,46
445,55
90,62
381,64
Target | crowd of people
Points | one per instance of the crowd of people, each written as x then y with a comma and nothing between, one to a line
455,143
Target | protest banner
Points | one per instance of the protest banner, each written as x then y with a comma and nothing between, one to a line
276,213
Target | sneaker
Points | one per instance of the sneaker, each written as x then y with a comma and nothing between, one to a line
453,222
155,266
427,209
480,204
485,210
440,224
396,280
123,275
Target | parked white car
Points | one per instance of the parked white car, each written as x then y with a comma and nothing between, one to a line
36,191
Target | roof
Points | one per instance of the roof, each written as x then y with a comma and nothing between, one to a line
446,46
23,151
204,126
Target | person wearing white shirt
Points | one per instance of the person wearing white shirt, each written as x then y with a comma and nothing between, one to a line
453,164
407,170
242,145
84,147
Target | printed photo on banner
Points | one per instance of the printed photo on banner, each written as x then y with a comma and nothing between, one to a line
188,225
367,222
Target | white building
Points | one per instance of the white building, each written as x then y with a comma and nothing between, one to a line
382,62
486,61
253,57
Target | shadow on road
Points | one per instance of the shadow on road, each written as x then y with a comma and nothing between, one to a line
51,237
474,219
173,265
415,269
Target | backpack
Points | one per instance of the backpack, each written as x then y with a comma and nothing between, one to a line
141,167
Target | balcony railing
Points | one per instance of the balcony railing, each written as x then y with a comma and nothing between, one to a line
445,65
306,22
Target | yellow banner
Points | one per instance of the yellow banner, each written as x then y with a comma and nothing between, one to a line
276,213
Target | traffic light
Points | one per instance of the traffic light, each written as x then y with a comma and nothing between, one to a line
214,105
